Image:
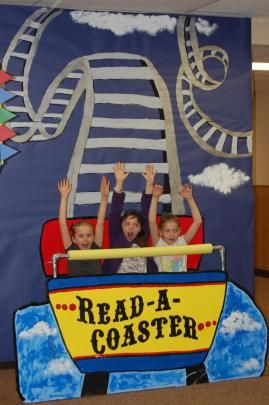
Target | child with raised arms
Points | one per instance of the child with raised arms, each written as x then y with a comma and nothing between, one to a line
167,233
129,229
83,235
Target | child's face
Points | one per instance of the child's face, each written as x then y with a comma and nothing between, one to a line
130,227
170,232
83,237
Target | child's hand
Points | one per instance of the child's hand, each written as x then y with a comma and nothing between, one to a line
104,187
64,187
119,170
186,191
157,191
149,174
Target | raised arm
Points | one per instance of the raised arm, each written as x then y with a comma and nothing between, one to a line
120,176
117,202
186,192
99,229
154,232
149,175
64,187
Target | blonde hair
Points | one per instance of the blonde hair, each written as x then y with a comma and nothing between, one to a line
76,225
168,218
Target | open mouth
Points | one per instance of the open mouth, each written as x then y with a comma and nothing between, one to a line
130,235
171,241
85,247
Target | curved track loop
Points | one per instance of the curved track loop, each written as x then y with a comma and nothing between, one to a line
211,136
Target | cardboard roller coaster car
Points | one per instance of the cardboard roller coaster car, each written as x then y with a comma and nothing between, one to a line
129,332
126,322
51,241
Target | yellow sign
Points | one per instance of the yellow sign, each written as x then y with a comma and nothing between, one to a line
133,320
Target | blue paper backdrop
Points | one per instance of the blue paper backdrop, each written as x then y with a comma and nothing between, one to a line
28,180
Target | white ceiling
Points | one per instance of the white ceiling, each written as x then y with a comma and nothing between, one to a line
242,8
258,10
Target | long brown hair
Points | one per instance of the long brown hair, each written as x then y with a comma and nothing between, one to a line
141,239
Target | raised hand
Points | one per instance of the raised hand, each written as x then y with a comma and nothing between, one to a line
120,175
104,187
186,191
149,174
64,187
157,191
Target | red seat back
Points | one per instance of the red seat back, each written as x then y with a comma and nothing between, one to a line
51,242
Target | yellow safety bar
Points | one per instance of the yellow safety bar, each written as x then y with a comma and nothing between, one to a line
93,254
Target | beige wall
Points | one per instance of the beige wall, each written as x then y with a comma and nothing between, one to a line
261,135
261,171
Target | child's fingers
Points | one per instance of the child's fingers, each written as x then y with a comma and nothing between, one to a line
149,171
158,189
119,167
64,185
61,183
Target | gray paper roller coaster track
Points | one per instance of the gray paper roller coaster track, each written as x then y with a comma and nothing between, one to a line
77,79
192,73
82,76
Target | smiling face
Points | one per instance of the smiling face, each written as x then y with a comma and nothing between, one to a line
131,227
170,231
83,235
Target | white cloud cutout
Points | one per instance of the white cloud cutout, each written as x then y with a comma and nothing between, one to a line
122,24
203,27
39,329
61,366
250,365
220,177
239,321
